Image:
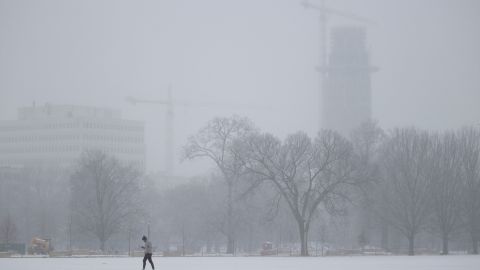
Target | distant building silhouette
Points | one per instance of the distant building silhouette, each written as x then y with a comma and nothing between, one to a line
56,135
346,91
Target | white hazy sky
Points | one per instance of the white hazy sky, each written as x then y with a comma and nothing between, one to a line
257,56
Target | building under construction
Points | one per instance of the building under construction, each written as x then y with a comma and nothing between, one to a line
346,90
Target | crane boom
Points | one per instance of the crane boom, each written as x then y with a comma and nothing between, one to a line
134,101
169,147
177,103
170,104
341,13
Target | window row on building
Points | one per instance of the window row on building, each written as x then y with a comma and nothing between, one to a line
52,149
32,162
70,137
70,125
39,126
112,138
97,125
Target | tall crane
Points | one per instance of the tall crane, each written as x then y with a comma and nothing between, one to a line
169,147
324,12
170,105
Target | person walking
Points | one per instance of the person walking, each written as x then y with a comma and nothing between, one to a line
148,253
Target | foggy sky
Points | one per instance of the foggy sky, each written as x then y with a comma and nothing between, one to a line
258,55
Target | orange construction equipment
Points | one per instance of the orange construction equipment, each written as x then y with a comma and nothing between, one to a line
267,249
40,246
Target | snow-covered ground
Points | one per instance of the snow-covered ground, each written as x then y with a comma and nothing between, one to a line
249,263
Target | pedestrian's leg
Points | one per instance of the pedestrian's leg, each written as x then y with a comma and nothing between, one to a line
151,261
144,261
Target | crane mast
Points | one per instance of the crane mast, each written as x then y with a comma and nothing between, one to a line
169,128
170,105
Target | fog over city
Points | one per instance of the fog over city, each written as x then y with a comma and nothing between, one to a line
393,86
259,55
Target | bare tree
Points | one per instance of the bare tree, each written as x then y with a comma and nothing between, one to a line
445,187
104,194
48,191
367,140
305,173
12,194
216,142
405,190
186,209
470,178
8,229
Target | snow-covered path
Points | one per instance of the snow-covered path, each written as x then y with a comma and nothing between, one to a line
249,263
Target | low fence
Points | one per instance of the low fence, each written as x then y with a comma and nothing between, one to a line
12,248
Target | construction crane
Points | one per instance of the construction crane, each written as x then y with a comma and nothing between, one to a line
324,12
170,105
169,147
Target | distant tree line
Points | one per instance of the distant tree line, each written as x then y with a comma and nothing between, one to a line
409,179
370,188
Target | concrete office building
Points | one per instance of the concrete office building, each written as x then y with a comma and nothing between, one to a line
56,135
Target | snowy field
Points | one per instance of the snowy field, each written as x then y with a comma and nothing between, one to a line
249,263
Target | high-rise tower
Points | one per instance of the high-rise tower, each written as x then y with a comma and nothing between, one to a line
346,94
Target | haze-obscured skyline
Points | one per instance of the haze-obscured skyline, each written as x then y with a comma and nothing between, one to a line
258,55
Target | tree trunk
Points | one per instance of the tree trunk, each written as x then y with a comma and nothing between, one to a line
102,245
474,245
384,237
230,238
183,240
209,245
250,239
411,245
303,238
445,244
230,244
